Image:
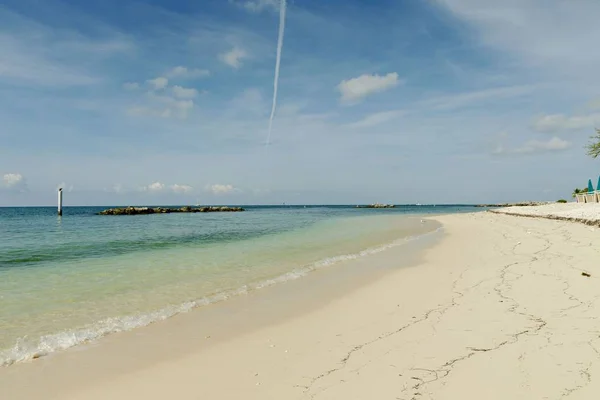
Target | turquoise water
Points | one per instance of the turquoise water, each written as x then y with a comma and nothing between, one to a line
67,280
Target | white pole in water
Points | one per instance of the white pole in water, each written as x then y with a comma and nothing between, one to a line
59,201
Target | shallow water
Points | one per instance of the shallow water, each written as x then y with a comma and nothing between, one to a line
66,280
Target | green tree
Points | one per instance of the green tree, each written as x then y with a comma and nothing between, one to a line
576,192
593,148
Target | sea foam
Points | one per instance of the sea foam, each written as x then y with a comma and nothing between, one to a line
28,348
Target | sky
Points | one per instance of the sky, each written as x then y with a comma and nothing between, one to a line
396,101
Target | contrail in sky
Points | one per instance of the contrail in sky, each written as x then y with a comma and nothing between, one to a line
277,62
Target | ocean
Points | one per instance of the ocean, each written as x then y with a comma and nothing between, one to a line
72,279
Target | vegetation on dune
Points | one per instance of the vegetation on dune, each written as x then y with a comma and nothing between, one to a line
579,191
593,150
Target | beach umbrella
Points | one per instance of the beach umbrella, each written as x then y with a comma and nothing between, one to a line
590,187
598,186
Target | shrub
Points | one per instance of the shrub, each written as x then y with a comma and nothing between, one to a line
561,201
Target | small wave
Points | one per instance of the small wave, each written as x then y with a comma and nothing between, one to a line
27,348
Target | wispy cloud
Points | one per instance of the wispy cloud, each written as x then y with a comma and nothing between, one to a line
184,93
154,187
34,53
377,119
459,100
234,57
187,73
219,189
181,188
159,187
528,29
22,64
75,82
260,5
561,122
158,83
163,107
131,86
116,188
355,89
554,144
15,181
163,101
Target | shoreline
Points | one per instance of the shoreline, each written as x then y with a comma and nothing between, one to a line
496,309
52,345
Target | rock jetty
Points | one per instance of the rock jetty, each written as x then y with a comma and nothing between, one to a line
163,210
377,205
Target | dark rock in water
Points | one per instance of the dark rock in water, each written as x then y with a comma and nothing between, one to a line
161,210
377,205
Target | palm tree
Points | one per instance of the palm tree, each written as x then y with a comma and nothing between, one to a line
576,192
594,146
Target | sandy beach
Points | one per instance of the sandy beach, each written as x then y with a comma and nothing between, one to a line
588,213
496,309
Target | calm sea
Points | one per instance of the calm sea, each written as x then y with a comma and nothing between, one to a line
70,279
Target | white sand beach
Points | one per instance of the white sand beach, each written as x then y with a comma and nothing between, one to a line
568,211
498,309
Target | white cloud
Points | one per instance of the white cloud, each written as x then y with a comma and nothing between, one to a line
154,187
377,119
184,93
15,182
181,188
184,72
234,57
11,180
158,83
221,189
355,89
561,122
259,5
535,146
131,85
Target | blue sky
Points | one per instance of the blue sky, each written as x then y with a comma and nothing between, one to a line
436,101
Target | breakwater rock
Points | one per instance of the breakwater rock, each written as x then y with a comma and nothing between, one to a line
164,210
377,205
